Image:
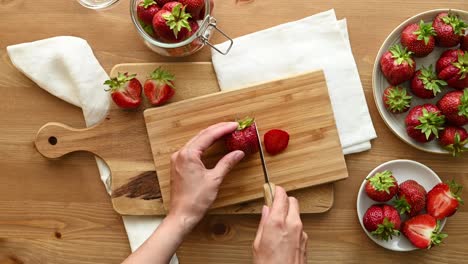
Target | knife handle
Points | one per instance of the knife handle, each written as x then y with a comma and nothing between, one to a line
269,193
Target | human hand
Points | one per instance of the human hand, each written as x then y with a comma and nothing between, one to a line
194,187
280,238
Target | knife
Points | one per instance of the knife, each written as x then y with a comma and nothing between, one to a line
268,187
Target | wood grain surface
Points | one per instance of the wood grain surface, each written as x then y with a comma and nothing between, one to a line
59,212
284,104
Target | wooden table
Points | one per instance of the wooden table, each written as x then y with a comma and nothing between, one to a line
59,212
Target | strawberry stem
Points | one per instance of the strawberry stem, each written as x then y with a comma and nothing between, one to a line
398,99
456,23
382,181
462,65
117,82
430,80
245,123
163,76
401,54
386,230
463,107
431,123
177,19
147,3
425,31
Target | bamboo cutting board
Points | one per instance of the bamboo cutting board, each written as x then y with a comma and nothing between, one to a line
299,105
121,141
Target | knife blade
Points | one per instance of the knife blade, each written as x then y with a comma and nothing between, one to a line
268,187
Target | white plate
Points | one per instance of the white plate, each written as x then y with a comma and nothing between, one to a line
402,170
396,122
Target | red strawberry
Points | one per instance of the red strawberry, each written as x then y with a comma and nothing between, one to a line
454,140
443,200
125,90
425,83
397,65
449,29
202,12
193,7
163,2
382,186
159,88
383,221
452,67
172,26
464,43
454,105
419,39
423,122
170,5
411,198
276,141
244,138
396,99
146,10
423,231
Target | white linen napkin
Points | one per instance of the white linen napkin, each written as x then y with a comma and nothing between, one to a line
315,42
66,67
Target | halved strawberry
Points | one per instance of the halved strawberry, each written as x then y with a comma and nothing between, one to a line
423,231
159,88
443,200
276,140
125,90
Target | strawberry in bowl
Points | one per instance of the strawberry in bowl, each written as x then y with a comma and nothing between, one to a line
419,38
424,122
383,221
397,65
425,83
452,67
396,99
454,139
454,106
382,186
449,29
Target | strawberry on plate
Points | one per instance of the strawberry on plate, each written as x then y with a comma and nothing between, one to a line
452,66
172,26
419,38
411,198
423,231
423,122
396,99
125,90
383,221
397,65
146,10
244,138
454,139
449,29
276,141
159,87
443,200
382,186
454,106
425,83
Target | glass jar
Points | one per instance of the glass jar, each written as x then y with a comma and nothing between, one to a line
184,48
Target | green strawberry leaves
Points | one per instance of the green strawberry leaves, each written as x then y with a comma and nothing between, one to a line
386,230
398,99
462,65
177,19
117,82
163,76
401,54
382,181
431,123
425,32
463,107
458,146
430,80
402,205
436,236
455,189
245,123
456,23
147,3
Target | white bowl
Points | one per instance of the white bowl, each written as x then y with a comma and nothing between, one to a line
402,170
396,122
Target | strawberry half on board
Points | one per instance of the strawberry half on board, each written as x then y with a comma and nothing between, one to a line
443,200
419,38
383,221
146,10
454,139
244,137
159,88
276,141
449,29
397,65
454,106
382,186
396,99
411,198
452,66
125,90
425,83
423,122
423,231
172,26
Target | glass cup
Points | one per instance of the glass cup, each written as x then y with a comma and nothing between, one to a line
97,4
187,47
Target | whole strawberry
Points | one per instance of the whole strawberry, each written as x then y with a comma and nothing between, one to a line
425,83
172,26
382,186
383,221
396,99
146,10
194,7
397,65
423,122
163,2
244,138
454,139
454,106
419,38
125,90
423,231
411,198
452,66
449,29
443,200
159,87
464,43
202,11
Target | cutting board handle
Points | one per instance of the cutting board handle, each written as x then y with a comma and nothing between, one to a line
54,140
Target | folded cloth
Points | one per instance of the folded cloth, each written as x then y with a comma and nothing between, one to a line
313,43
66,67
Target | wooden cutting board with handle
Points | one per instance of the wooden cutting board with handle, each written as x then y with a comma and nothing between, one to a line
121,141
300,105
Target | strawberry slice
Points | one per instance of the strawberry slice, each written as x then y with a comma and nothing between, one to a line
125,90
276,141
159,88
423,231
443,200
